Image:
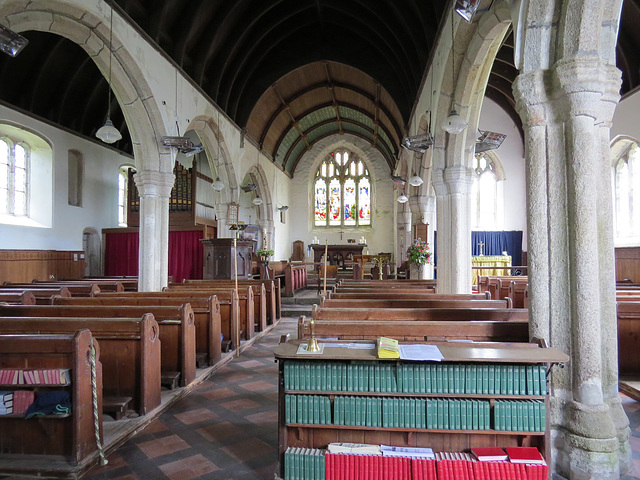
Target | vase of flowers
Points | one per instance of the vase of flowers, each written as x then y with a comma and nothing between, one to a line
265,254
418,255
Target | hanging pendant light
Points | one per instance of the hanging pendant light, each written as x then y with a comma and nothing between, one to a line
415,181
257,200
108,133
218,185
454,123
402,198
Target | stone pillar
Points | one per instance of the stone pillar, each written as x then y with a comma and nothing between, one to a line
429,217
404,234
453,192
221,219
153,260
571,260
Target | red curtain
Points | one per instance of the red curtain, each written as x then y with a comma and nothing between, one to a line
121,254
185,254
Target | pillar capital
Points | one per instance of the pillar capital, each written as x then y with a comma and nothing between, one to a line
458,179
153,183
530,92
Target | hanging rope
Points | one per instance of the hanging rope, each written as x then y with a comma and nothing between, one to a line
94,397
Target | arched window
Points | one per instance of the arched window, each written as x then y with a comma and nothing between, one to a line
14,178
486,192
342,192
123,195
626,190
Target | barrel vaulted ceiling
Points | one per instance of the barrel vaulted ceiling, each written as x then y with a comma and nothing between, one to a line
287,72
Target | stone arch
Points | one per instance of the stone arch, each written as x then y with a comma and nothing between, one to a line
619,144
90,30
209,132
266,208
476,46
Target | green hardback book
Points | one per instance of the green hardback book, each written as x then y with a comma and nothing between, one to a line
430,410
464,423
445,378
492,380
288,402
527,424
396,413
392,378
358,411
386,409
338,411
510,380
439,414
509,416
523,379
543,416
498,415
474,379
475,419
485,380
458,379
439,388
543,379
445,415
487,413
427,378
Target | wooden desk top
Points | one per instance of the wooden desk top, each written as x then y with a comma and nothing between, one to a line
452,352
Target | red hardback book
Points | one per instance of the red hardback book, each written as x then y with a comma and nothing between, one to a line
489,454
525,455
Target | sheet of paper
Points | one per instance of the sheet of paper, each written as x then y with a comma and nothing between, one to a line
357,346
420,352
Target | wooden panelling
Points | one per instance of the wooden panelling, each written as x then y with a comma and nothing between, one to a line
628,264
28,265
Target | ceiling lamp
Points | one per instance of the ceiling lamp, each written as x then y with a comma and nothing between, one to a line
415,181
402,198
108,133
217,185
11,42
467,9
454,123
489,141
257,200
418,143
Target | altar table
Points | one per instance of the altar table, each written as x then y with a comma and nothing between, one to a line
496,265
337,254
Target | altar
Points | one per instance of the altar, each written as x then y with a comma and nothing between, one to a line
496,265
337,254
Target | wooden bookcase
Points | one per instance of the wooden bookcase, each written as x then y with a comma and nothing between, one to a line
440,440
51,446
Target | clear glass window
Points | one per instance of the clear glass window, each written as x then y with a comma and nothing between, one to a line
14,178
626,189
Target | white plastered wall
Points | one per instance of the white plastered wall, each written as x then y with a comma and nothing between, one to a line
100,191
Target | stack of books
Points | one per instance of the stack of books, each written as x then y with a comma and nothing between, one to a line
40,376
387,348
6,403
304,464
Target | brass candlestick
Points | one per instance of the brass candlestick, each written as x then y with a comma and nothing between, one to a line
312,344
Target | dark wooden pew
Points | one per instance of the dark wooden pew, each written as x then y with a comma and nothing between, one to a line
390,282
259,294
206,314
411,314
387,295
245,301
84,289
272,287
177,331
516,292
44,296
65,444
228,301
18,297
427,303
416,330
504,285
628,338
104,285
295,278
130,352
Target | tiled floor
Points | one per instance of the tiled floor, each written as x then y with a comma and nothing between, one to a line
224,429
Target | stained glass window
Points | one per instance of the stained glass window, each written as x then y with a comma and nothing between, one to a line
14,178
342,192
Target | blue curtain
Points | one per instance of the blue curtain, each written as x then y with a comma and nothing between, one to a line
497,242
494,244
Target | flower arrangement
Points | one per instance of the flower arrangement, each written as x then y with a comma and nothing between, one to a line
265,252
419,252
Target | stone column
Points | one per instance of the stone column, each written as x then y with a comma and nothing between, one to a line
571,261
453,191
221,218
404,233
153,261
